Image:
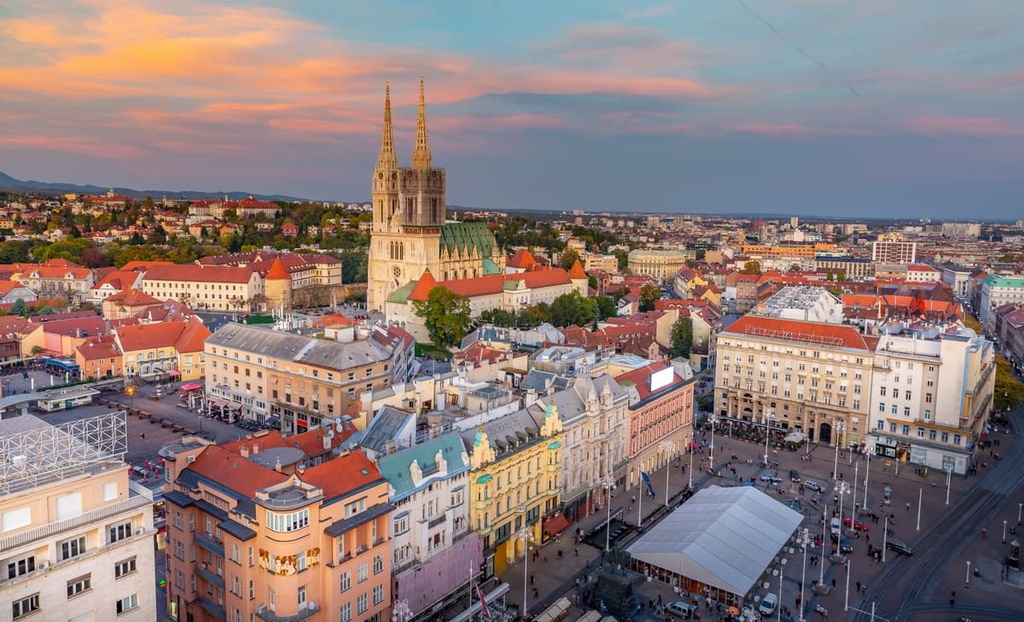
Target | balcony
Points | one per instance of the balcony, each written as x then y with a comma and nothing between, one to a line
209,543
210,576
135,501
265,614
438,520
217,611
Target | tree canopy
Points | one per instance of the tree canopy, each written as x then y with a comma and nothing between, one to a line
446,316
682,338
649,294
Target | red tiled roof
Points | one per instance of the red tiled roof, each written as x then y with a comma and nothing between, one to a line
185,336
641,379
277,271
198,273
334,319
522,259
96,348
232,470
426,283
343,474
576,272
834,335
133,298
118,279
77,327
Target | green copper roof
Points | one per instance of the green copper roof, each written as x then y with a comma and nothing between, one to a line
464,236
490,268
401,295
395,467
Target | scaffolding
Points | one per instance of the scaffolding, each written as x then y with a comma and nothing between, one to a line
786,335
33,453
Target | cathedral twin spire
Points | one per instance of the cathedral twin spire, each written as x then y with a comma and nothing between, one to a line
421,152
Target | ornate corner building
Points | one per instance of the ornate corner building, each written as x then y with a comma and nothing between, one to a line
409,233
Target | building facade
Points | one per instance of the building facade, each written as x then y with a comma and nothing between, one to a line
808,377
997,291
515,473
661,265
409,234
77,539
932,391
207,288
893,252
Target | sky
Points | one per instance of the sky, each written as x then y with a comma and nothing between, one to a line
835,108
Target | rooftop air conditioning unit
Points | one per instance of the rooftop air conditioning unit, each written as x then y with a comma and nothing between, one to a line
312,605
140,531
190,459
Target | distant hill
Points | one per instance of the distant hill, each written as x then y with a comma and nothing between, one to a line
11,184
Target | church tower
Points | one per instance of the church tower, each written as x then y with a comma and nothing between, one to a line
423,185
385,174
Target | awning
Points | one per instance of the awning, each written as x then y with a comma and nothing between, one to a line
795,437
556,524
174,373
190,386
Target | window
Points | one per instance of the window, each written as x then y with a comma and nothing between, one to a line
906,430
300,563
125,567
931,435
907,394
881,407
346,581
120,532
25,606
920,432
378,594
283,523
362,572
906,411
361,603
881,391
302,596
881,424
22,566
378,564
252,557
401,524
927,415
79,585
252,589
945,437
127,603
72,548
110,491
346,612
236,553
956,439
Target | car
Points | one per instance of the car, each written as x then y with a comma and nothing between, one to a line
845,544
834,526
681,609
813,485
899,546
768,604
769,478
855,524
794,476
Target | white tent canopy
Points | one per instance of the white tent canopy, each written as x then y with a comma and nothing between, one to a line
722,537
795,437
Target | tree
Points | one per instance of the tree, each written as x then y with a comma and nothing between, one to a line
499,317
18,308
682,338
158,236
752,267
622,257
446,316
649,294
605,307
572,309
569,257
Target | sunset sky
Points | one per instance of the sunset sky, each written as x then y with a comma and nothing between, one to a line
853,108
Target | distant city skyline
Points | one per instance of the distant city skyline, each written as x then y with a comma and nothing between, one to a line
870,109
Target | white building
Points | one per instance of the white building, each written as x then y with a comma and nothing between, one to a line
931,392
76,536
997,291
804,302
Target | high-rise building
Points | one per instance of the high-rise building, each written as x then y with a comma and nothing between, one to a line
76,541
893,252
409,234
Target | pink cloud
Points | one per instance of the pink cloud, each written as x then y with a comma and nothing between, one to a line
964,126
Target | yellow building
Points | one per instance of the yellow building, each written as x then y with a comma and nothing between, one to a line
168,350
515,475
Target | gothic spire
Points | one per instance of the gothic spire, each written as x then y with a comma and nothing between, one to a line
421,153
387,159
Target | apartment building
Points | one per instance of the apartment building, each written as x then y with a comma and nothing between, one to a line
434,552
76,533
169,350
660,417
809,377
203,287
257,533
56,277
515,473
593,412
662,265
996,291
260,373
932,391
893,251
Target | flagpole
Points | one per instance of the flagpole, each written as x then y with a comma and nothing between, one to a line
640,507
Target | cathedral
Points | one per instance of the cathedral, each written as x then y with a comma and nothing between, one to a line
410,235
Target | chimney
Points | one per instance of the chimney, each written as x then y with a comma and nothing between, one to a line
244,450
337,425
277,467
255,448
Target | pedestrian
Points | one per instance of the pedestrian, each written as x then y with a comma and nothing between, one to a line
532,579
858,585
908,506
984,530
864,589
833,583
536,594
577,551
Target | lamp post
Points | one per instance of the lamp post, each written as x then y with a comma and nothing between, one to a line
669,447
824,528
524,540
853,504
803,540
867,474
967,583
689,486
839,431
608,482
949,479
713,419
841,488
920,494
778,605
1004,532
767,433
1020,509
885,537
402,612
130,392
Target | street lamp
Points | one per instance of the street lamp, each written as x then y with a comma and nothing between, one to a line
1020,509
840,428
803,540
130,392
767,433
885,537
713,419
402,612
608,482
524,540
967,583
690,484
867,473
669,447
841,488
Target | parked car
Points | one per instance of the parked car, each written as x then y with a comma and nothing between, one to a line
855,524
768,604
845,544
681,609
899,546
813,485
834,526
794,476
769,478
